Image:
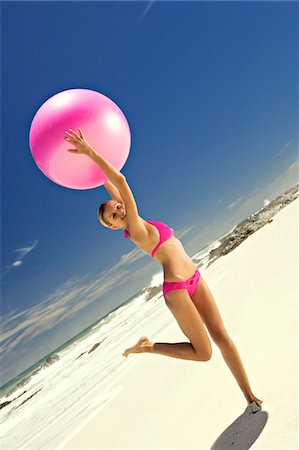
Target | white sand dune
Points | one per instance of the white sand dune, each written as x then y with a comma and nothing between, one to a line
167,403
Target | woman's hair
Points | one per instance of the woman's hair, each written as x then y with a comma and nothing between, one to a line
101,215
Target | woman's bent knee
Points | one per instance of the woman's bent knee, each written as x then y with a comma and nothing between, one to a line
204,356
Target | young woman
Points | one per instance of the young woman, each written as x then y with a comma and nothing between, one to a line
185,291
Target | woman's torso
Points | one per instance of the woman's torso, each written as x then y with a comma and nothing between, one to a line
177,265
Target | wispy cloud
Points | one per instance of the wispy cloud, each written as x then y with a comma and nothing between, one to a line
63,302
263,193
201,233
282,150
21,253
130,257
235,203
253,192
185,231
293,167
146,10
220,200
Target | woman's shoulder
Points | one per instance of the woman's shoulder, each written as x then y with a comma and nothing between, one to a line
139,231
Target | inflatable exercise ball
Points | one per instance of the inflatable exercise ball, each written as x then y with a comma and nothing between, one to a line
103,125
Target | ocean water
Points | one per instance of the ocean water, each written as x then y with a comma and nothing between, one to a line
65,394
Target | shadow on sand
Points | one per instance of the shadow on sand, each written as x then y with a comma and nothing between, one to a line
244,431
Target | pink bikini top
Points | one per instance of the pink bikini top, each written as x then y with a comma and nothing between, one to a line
164,230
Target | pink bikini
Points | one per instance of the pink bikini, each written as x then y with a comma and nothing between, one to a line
166,233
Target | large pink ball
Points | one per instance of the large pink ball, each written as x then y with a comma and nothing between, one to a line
103,125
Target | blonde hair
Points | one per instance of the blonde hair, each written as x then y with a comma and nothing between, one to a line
101,211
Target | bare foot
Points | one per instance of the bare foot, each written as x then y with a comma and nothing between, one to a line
254,399
141,346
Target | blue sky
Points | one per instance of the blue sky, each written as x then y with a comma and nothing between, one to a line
210,90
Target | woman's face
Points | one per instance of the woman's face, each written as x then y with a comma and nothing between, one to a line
115,214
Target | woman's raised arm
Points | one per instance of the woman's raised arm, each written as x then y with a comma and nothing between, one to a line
136,225
113,191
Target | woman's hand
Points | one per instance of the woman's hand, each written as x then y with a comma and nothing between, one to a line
78,140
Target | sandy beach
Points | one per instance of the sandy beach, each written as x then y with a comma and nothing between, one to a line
167,403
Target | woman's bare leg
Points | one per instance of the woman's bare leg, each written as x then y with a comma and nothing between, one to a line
233,360
180,350
199,346
185,350
205,303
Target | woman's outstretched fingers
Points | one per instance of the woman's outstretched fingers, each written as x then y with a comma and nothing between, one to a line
68,136
72,133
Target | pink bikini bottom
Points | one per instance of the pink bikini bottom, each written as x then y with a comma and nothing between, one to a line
189,284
